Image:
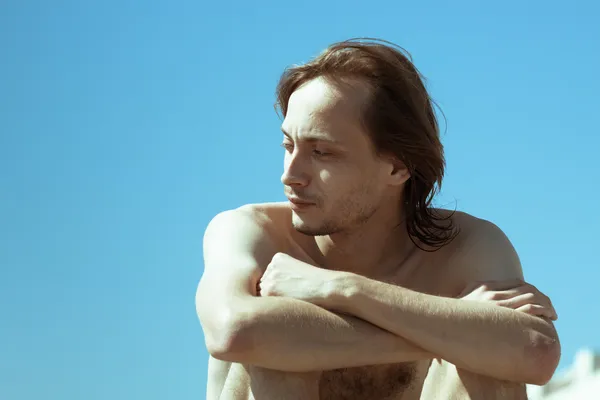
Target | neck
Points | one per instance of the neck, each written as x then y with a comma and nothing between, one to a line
375,247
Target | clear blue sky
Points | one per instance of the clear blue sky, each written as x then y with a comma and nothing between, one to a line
126,125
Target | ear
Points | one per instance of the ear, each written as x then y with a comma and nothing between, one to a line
399,173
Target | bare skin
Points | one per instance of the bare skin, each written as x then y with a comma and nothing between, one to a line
393,369
332,300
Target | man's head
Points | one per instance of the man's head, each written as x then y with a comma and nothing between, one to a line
359,132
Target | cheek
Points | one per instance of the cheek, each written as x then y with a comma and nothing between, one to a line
334,184
341,183
326,177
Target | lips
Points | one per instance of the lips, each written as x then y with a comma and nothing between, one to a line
300,202
297,204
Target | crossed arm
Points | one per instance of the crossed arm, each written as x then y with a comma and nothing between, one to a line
278,333
374,323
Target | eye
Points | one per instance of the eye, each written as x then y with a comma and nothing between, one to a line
319,153
287,146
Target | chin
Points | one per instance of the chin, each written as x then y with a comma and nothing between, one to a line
315,229
303,226
310,232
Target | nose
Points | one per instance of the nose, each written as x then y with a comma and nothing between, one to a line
295,171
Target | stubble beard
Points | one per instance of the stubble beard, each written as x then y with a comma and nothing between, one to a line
349,220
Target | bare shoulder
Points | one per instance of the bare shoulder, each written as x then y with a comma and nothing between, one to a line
273,215
480,252
474,231
274,218
269,216
471,233
250,223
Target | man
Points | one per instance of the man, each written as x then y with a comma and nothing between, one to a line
356,288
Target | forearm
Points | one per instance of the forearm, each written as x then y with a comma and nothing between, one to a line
291,335
478,337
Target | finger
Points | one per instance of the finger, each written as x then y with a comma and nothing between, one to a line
524,295
545,300
532,288
540,298
517,301
505,294
537,310
517,291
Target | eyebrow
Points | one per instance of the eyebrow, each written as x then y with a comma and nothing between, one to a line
315,138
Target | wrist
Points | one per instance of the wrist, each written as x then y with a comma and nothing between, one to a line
342,289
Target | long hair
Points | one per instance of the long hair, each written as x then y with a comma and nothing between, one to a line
399,119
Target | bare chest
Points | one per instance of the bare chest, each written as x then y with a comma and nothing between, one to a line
377,382
381,382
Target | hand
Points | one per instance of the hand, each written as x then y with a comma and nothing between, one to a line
515,294
288,277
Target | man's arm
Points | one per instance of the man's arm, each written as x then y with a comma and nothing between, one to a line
277,333
479,337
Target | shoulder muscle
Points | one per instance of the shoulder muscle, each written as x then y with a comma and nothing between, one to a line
487,254
238,244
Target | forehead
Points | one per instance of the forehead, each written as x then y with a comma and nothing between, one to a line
321,107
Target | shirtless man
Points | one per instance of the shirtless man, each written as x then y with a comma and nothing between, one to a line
357,288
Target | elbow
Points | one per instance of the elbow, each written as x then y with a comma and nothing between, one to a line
227,339
227,344
542,358
225,327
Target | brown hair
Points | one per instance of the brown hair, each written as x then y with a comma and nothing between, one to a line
399,118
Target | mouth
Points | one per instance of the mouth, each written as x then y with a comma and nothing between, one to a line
298,204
